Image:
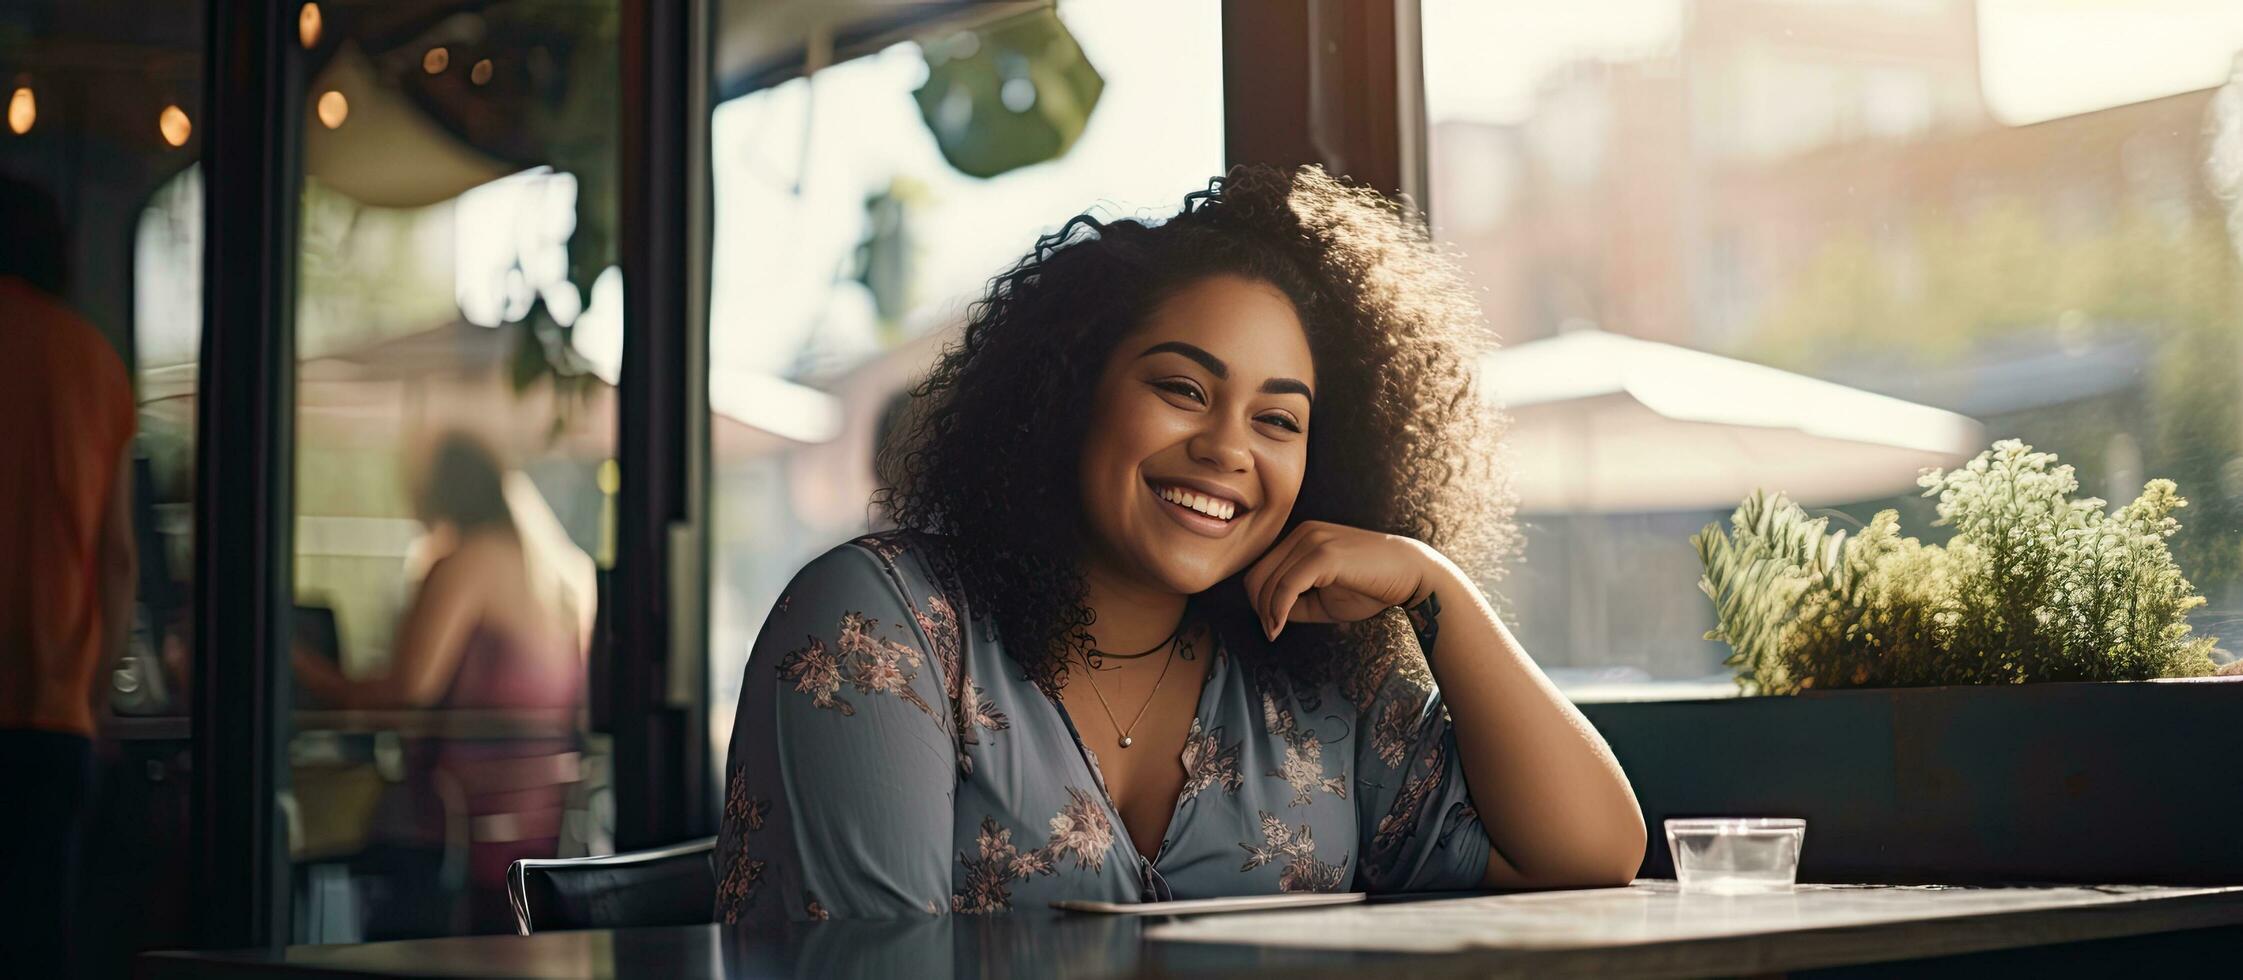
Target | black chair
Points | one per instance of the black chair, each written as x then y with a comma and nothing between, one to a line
666,886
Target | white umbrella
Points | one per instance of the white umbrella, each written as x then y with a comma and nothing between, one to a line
1604,423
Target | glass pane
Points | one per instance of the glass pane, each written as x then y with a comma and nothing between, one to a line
458,329
1973,220
849,238
100,294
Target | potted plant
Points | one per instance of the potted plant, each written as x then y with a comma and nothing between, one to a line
2035,585
1953,712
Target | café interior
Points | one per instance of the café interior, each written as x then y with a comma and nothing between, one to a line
1780,295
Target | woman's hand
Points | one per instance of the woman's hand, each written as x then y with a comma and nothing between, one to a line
1330,573
320,677
1556,806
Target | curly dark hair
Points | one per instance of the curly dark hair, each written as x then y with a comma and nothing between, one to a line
987,468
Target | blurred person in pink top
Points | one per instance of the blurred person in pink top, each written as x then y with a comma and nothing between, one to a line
495,624
490,625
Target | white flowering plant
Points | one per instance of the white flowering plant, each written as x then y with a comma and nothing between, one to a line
2035,585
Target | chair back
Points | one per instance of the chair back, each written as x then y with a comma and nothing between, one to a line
665,886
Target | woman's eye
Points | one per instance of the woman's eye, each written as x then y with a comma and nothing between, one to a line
1282,422
1183,388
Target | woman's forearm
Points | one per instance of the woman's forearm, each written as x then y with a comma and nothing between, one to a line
327,685
1555,803
320,678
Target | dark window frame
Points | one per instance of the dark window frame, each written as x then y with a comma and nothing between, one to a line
655,650
1328,82
245,462
1332,82
244,474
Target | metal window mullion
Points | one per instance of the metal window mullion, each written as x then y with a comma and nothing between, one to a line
244,474
658,641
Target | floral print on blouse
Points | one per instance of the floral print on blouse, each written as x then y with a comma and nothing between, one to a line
890,760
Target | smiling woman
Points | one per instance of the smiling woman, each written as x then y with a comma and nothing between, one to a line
1194,466
1266,258
1202,467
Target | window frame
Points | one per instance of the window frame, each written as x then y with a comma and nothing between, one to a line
244,474
243,596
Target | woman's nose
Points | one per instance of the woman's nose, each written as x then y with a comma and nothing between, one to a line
1222,444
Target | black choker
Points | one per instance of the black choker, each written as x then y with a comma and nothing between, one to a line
1096,658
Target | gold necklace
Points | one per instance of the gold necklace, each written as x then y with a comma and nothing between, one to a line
1092,676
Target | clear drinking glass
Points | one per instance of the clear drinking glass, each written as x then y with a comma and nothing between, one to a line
1736,855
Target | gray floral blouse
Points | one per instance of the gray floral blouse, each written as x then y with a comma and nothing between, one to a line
889,759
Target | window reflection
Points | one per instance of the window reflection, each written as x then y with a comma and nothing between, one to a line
2003,212
456,264
99,296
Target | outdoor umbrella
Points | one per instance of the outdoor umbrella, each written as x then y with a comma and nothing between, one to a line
1605,423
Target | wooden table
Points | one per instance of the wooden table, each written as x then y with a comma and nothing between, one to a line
1648,929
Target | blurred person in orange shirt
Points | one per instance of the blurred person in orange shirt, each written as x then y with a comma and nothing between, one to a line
66,582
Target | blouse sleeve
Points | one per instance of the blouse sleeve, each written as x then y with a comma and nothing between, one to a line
1419,831
839,784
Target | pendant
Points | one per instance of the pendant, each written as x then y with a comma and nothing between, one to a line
1125,740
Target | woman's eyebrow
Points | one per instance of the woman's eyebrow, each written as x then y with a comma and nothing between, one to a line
1222,371
1288,386
1213,364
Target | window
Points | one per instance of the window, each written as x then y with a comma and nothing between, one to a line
847,242
458,331
2010,213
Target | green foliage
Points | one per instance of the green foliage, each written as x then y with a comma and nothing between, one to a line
1009,94
1937,284
2034,586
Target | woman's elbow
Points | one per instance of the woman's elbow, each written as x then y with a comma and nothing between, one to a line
1612,871
417,696
1621,868
1611,861
388,693
1627,849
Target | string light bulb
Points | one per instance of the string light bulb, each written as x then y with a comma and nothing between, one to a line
333,109
308,24
481,73
436,60
174,125
23,110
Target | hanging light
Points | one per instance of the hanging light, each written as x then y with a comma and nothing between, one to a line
23,110
308,24
174,125
333,109
481,73
436,60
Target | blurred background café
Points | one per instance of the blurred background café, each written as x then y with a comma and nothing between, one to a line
619,298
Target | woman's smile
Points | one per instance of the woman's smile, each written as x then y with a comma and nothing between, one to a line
1213,514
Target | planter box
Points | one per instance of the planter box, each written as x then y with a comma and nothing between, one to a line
2121,782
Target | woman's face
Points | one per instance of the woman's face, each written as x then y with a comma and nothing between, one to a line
1198,437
